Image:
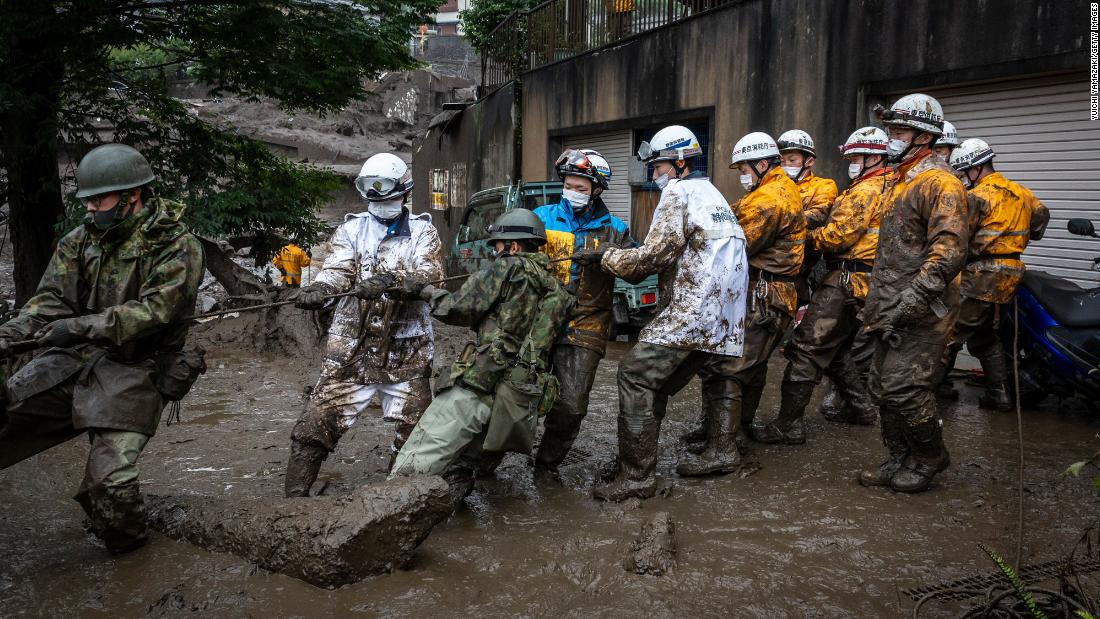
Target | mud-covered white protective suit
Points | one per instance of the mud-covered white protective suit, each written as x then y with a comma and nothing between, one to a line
697,246
383,346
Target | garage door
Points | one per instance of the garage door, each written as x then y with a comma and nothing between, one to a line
1043,138
615,147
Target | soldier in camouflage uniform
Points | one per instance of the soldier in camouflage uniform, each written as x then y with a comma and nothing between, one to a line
518,310
922,247
109,309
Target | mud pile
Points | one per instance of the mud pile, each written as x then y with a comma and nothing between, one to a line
327,542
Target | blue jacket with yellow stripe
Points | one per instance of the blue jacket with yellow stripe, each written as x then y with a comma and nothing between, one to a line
596,227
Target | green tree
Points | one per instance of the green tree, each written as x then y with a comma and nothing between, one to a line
80,72
485,15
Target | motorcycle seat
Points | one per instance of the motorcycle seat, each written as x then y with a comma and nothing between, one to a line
1069,304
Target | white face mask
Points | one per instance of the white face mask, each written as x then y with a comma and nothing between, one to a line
792,171
661,181
746,181
895,148
854,170
387,209
577,200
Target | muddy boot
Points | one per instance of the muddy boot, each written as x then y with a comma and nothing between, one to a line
929,457
833,404
636,473
460,482
713,395
996,398
721,454
557,440
893,436
117,515
302,468
787,427
946,390
852,390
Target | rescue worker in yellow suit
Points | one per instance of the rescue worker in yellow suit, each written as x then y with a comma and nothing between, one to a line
1009,215
290,260
798,154
922,247
848,241
775,232
947,142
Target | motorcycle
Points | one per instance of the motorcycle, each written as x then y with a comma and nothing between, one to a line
1059,334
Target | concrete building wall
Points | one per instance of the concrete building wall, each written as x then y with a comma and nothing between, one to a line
464,152
773,65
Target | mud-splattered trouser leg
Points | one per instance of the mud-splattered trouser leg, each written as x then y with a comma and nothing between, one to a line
821,341
335,405
648,375
454,425
902,377
110,493
575,369
976,327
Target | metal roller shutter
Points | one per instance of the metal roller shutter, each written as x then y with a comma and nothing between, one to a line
1044,140
615,147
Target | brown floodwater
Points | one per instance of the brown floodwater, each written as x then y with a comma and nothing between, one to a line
800,538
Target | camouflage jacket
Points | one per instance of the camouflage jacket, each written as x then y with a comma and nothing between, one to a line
922,246
513,301
128,287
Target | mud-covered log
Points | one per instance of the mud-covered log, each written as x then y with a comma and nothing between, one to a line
324,541
654,550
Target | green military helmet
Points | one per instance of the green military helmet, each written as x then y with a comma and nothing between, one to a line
518,224
111,167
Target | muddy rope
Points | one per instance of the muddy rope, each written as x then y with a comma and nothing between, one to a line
1019,431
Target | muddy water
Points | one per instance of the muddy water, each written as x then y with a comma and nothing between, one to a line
799,538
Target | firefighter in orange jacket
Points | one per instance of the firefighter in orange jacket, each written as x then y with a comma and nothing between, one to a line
848,240
290,260
1009,215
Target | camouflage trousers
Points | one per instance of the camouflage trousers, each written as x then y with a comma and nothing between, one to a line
335,405
110,493
978,327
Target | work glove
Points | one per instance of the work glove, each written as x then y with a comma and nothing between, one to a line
412,285
312,297
64,333
911,306
587,257
374,286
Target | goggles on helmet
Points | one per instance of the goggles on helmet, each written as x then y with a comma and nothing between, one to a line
377,187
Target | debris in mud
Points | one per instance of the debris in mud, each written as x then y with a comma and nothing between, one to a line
327,542
654,551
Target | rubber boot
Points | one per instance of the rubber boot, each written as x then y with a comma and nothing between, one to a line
302,468
787,427
723,423
833,404
998,399
945,387
557,440
714,392
117,514
929,457
636,473
893,437
858,408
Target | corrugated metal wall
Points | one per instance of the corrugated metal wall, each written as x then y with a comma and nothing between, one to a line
615,147
1044,140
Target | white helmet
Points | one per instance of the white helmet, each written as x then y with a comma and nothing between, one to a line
384,177
865,141
972,152
673,143
918,111
796,139
949,137
753,147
